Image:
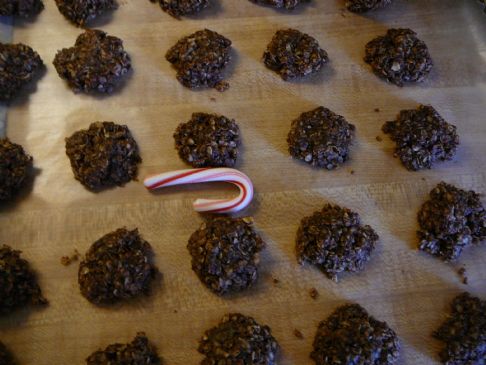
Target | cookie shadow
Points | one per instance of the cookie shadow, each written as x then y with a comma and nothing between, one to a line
100,21
22,194
214,9
299,10
23,95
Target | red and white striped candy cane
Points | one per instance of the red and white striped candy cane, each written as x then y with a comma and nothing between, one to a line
193,176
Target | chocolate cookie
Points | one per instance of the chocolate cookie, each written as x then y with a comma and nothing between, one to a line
239,339
200,59
81,12
280,4
334,240
361,6
18,283
104,155
208,140
225,254
464,332
116,267
19,63
451,220
423,137
139,352
399,57
350,336
6,357
23,8
15,167
178,8
294,54
96,63
320,138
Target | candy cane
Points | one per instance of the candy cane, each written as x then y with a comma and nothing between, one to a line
193,176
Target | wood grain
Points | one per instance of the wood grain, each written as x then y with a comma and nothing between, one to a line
409,290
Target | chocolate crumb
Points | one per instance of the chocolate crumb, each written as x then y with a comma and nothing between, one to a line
213,99
379,139
298,334
313,293
377,110
175,311
465,280
351,172
276,281
67,260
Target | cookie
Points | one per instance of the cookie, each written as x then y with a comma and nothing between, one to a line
225,254
23,8
81,12
451,220
350,336
280,4
96,63
179,8
399,57
321,138
293,54
103,156
422,137
18,283
117,267
15,168
200,59
239,339
208,140
139,352
19,64
334,240
362,6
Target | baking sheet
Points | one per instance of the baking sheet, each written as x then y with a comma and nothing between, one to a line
409,290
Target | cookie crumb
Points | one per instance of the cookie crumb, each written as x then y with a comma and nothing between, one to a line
462,274
67,260
379,139
351,172
276,281
298,334
313,293
213,99
377,110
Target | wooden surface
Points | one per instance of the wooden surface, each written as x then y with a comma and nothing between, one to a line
408,289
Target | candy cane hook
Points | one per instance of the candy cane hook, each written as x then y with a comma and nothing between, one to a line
193,176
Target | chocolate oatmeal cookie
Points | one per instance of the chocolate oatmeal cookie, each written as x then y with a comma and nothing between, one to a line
81,12
208,140
239,339
464,332
350,336
422,137
320,138
139,352
96,63
18,283
225,254
294,54
200,59
104,155
399,57
280,4
116,267
23,8
451,220
19,64
6,357
15,167
334,240
178,8
361,6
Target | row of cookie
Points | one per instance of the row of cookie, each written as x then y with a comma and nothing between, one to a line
107,155
82,12
98,62
225,251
